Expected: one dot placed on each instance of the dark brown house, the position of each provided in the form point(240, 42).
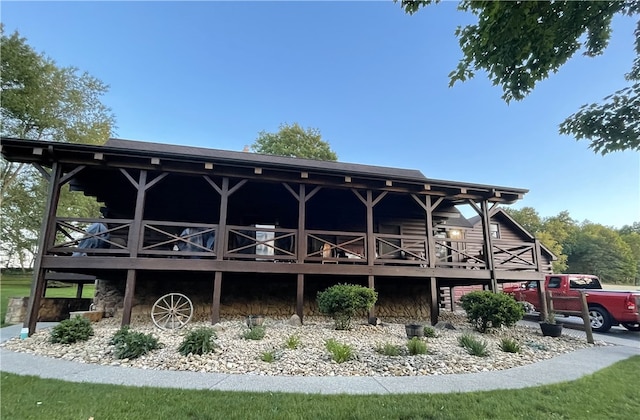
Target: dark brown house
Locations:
point(222, 225)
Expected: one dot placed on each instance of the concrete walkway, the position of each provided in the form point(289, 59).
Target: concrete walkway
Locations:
point(565, 367)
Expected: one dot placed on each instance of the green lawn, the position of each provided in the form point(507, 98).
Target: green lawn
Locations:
point(18, 285)
point(611, 393)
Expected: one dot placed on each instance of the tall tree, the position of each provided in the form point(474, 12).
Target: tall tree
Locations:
point(599, 250)
point(548, 231)
point(294, 141)
point(42, 101)
point(521, 43)
point(632, 239)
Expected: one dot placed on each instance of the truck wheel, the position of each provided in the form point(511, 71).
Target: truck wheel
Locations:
point(600, 319)
point(631, 326)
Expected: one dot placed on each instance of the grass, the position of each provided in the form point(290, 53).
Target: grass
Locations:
point(19, 285)
point(473, 345)
point(416, 346)
point(340, 352)
point(29, 397)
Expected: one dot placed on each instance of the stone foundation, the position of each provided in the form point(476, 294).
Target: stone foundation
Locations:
point(51, 309)
point(269, 295)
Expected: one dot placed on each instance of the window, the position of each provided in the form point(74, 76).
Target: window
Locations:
point(554, 283)
point(494, 230)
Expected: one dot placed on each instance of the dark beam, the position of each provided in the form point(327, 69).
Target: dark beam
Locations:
point(433, 300)
point(300, 297)
point(217, 292)
point(128, 297)
point(47, 234)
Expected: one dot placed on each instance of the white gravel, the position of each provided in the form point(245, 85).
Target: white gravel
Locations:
point(239, 356)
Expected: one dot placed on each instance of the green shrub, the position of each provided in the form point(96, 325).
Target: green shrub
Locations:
point(293, 342)
point(72, 330)
point(255, 333)
point(509, 345)
point(491, 310)
point(473, 346)
point(268, 356)
point(429, 332)
point(131, 344)
point(198, 341)
point(339, 352)
point(416, 346)
point(343, 301)
point(388, 349)
point(120, 335)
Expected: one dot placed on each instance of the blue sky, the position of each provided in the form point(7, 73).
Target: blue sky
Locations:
point(372, 79)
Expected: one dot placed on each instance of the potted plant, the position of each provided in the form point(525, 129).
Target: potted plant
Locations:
point(414, 330)
point(549, 326)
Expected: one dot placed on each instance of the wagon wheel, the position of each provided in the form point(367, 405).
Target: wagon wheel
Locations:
point(172, 311)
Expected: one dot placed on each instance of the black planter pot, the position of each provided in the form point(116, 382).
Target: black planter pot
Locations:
point(551, 330)
point(414, 330)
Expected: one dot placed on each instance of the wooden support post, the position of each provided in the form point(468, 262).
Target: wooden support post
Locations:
point(47, 233)
point(128, 297)
point(135, 241)
point(488, 245)
point(542, 298)
point(217, 292)
point(371, 241)
point(300, 297)
point(372, 286)
point(79, 288)
point(221, 241)
point(451, 298)
point(431, 242)
point(585, 316)
point(301, 249)
point(433, 301)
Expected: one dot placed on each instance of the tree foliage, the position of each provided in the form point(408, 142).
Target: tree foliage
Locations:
point(294, 141)
point(599, 250)
point(521, 43)
point(42, 101)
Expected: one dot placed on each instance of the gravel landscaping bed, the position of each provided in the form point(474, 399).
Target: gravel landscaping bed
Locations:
point(237, 355)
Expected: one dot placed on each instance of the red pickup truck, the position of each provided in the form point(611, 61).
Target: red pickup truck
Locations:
point(606, 307)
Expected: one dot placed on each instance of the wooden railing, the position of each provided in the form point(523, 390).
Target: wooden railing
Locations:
point(401, 249)
point(72, 233)
point(512, 255)
point(178, 239)
point(262, 243)
point(459, 253)
point(336, 246)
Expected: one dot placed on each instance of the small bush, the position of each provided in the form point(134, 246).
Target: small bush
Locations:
point(339, 352)
point(473, 346)
point(72, 330)
point(491, 310)
point(268, 356)
point(255, 333)
point(429, 332)
point(388, 349)
point(293, 342)
point(416, 346)
point(343, 301)
point(198, 341)
point(509, 345)
point(131, 344)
